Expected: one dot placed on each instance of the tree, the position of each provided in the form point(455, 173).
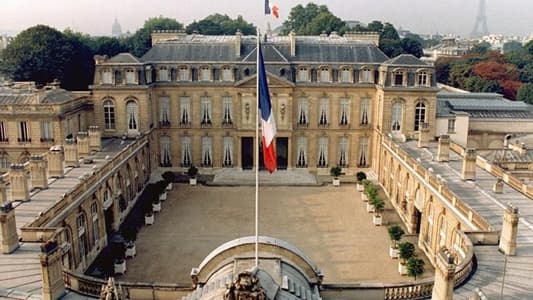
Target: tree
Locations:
point(79, 70)
point(477, 84)
point(312, 20)
point(415, 267)
point(492, 70)
point(510, 88)
point(525, 93)
point(442, 68)
point(529, 47)
point(141, 41)
point(412, 46)
point(459, 72)
point(218, 24)
point(526, 74)
point(109, 46)
point(480, 48)
point(39, 54)
point(511, 46)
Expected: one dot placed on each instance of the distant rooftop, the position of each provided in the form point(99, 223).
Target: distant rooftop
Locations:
point(26, 93)
point(482, 105)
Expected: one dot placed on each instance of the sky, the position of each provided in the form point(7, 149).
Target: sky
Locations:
point(95, 17)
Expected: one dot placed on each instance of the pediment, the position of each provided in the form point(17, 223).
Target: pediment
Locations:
point(273, 82)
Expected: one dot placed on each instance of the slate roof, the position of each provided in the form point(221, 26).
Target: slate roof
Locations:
point(406, 59)
point(196, 48)
point(124, 58)
point(10, 96)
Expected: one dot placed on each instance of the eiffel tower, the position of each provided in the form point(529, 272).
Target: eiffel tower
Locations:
point(480, 26)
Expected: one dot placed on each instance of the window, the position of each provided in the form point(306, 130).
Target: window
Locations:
point(4, 161)
point(430, 224)
point(442, 233)
point(96, 230)
point(345, 75)
point(227, 74)
point(343, 152)
point(396, 123)
point(398, 78)
point(227, 110)
point(166, 160)
point(186, 159)
point(107, 76)
point(184, 74)
point(109, 114)
point(132, 115)
point(301, 155)
point(207, 151)
point(366, 75)
point(323, 152)
point(46, 131)
point(185, 109)
point(324, 75)
point(344, 118)
point(227, 160)
point(423, 78)
point(206, 110)
point(420, 115)
point(3, 132)
point(303, 74)
point(82, 235)
point(205, 74)
point(164, 111)
point(131, 76)
point(323, 112)
point(303, 111)
point(23, 132)
point(451, 126)
point(365, 111)
point(162, 73)
point(118, 77)
point(363, 151)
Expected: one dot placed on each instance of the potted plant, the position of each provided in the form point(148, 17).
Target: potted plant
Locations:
point(370, 203)
point(130, 235)
point(395, 234)
point(415, 267)
point(379, 205)
point(169, 179)
point(336, 172)
point(360, 177)
point(163, 195)
point(156, 205)
point(369, 190)
point(117, 252)
point(192, 172)
point(406, 250)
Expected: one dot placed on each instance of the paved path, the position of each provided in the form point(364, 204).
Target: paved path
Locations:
point(283, 177)
point(479, 195)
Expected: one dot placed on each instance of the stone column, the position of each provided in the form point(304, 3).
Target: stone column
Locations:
point(444, 275)
point(19, 183)
point(71, 153)
point(443, 151)
point(497, 188)
point(52, 271)
point(83, 144)
point(8, 228)
point(509, 230)
point(39, 176)
point(469, 165)
point(423, 135)
point(95, 138)
point(56, 158)
point(3, 196)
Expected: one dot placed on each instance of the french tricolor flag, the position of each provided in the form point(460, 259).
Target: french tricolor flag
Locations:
point(268, 125)
point(271, 9)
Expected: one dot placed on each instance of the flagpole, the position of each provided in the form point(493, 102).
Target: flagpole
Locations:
point(256, 156)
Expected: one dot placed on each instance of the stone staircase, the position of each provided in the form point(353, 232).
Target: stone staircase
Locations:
point(232, 177)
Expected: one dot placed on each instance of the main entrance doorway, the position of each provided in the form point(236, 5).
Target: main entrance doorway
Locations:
point(247, 153)
point(282, 152)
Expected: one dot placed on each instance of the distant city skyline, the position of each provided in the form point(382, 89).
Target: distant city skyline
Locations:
point(512, 17)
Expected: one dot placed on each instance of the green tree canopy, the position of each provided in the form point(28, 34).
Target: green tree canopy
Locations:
point(480, 85)
point(525, 93)
point(526, 73)
point(480, 48)
point(141, 41)
point(218, 24)
point(39, 54)
point(412, 46)
point(79, 70)
point(312, 20)
point(511, 46)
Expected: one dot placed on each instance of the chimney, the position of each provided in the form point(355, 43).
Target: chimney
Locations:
point(71, 153)
point(95, 138)
point(469, 165)
point(83, 144)
point(8, 228)
point(444, 275)
point(39, 178)
point(292, 39)
point(3, 195)
point(509, 230)
point(423, 135)
point(19, 183)
point(51, 270)
point(238, 38)
point(56, 157)
point(443, 151)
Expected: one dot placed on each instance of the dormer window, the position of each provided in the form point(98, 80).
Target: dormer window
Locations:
point(398, 77)
point(366, 75)
point(163, 74)
point(324, 75)
point(131, 76)
point(184, 74)
point(205, 74)
point(226, 74)
point(345, 75)
point(303, 74)
point(422, 78)
point(107, 76)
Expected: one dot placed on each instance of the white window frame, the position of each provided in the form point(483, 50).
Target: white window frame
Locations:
point(420, 115)
point(107, 76)
point(3, 131)
point(396, 116)
point(206, 110)
point(395, 75)
point(96, 229)
point(343, 152)
point(303, 112)
point(163, 73)
point(131, 76)
point(451, 125)
point(323, 112)
point(303, 74)
point(227, 158)
point(365, 111)
point(345, 75)
point(164, 110)
point(366, 75)
point(109, 114)
point(344, 111)
point(204, 73)
point(186, 153)
point(132, 115)
point(166, 154)
point(207, 151)
point(184, 74)
point(322, 158)
point(23, 131)
point(185, 110)
point(47, 133)
point(301, 152)
point(324, 75)
point(227, 110)
point(363, 151)
point(4, 161)
point(226, 74)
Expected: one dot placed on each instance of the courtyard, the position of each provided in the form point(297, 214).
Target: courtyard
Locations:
point(329, 224)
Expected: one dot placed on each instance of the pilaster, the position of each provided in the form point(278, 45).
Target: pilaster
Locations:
point(444, 275)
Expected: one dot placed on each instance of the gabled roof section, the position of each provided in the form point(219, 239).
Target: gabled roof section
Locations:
point(406, 59)
point(124, 58)
point(270, 54)
point(191, 52)
point(273, 81)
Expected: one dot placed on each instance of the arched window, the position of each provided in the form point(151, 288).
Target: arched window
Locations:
point(366, 75)
point(420, 115)
point(184, 74)
point(399, 77)
point(83, 246)
point(131, 76)
point(109, 114)
point(303, 74)
point(396, 122)
point(345, 75)
point(107, 76)
point(163, 73)
point(324, 75)
point(423, 78)
point(132, 116)
point(205, 74)
point(226, 73)
point(4, 160)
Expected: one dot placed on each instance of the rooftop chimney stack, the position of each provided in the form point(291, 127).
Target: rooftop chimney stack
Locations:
point(292, 39)
point(56, 157)
point(39, 176)
point(19, 183)
point(469, 165)
point(71, 153)
point(83, 144)
point(238, 39)
point(95, 138)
